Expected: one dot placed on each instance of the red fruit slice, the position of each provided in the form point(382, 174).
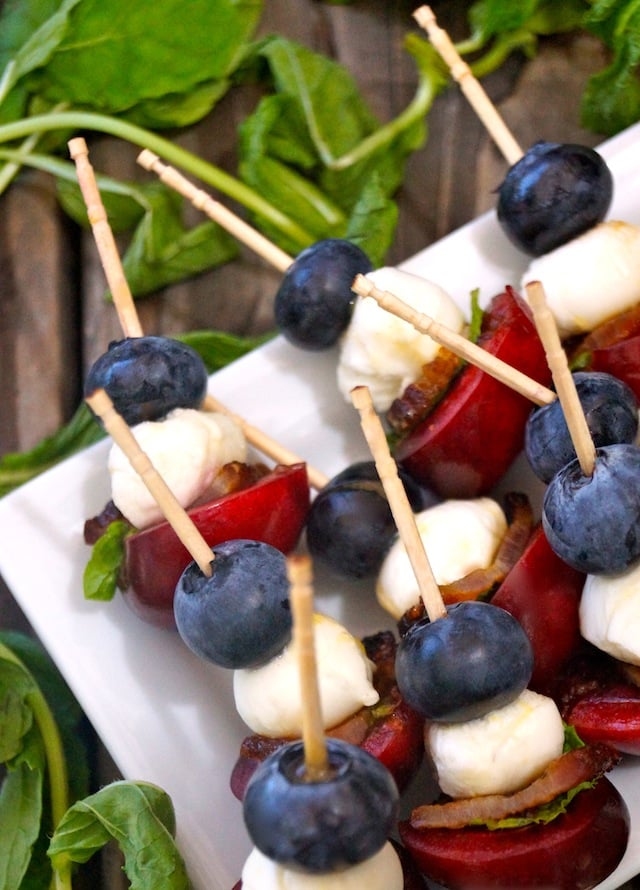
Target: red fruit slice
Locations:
point(473, 435)
point(610, 715)
point(543, 593)
point(573, 852)
point(273, 511)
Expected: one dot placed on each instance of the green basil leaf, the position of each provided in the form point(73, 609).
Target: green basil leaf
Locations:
point(94, 65)
point(66, 710)
point(217, 349)
point(139, 816)
point(99, 580)
point(611, 100)
point(21, 812)
point(16, 717)
point(30, 33)
point(162, 251)
point(18, 467)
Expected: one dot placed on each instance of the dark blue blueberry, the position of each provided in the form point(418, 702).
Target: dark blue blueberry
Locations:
point(553, 194)
point(611, 411)
point(464, 665)
point(314, 303)
point(350, 526)
point(239, 617)
point(320, 826)
point(147, 377)
point(593, 522)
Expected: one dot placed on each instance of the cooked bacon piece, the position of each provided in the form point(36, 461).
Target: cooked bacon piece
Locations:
point(481, 582)
point(561, 775)
point(234, 476)
point(421, 396)
point(389, 730)
point(614, 330)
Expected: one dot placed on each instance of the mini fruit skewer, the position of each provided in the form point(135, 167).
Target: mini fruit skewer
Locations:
point(452, 855)
point(314, 303)
point(319, 806)
point(552, 193)
point(272, 509)
point(132, 328)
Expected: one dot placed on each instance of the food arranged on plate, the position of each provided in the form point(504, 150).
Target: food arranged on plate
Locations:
point(513, 671)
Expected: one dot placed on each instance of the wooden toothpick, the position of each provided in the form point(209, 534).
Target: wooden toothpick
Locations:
point(470, 86)
point(456, 343)
point(216, 211)
point(562, 378)
point(313, 737)
point(172, 510)
point(399, 503)
point(266, 444)
point(128, 314)
point(105, 242)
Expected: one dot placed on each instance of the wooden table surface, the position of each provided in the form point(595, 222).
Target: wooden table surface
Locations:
point(53, 320)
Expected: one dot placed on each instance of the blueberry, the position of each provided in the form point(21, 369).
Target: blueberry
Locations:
point(320, 827)
point(464, 665)
point(552, 194)
point(239, 617)
point(611, 410)
point(593, 522)
point(147, 377)
point(314, 302)
point(350, 526)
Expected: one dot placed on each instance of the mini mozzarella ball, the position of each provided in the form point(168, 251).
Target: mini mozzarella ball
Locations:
point(459, 537)
point(610, 614)
point(187, 448)
point(499, 753)
point(382, 871)
point(385, 353)
point(591, 278)
point(268, 697)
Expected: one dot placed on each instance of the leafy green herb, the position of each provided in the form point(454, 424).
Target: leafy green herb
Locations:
point(44, 811)
point(20, 467)
point(140, 817)
point(99, 580)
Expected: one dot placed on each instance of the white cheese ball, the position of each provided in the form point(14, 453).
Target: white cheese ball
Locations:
point(187, 448)
point(591, 278)
point(268, 697)
point(500, 752)
point(382, 871)
point(610, 614)
point(459, 536)
point(383, 352)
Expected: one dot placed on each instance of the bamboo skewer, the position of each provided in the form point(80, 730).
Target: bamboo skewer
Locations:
point(562, 378)
point(216, 211)
point(105, 242)
point(313, 737)
point(470, 86)
point(172, 510)
point(458, 344)
point(399, 503)
point(128, 315)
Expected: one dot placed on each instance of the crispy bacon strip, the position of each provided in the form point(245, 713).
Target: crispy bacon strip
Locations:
point(481, 581)
point(420, 397)
point(560, 776)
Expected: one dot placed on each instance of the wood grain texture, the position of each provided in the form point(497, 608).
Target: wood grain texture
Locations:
point(54, 320)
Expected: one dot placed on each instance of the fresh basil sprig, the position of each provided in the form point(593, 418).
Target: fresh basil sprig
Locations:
point(49, 821)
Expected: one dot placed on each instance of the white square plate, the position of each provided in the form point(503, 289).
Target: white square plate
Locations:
point(165, 716)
